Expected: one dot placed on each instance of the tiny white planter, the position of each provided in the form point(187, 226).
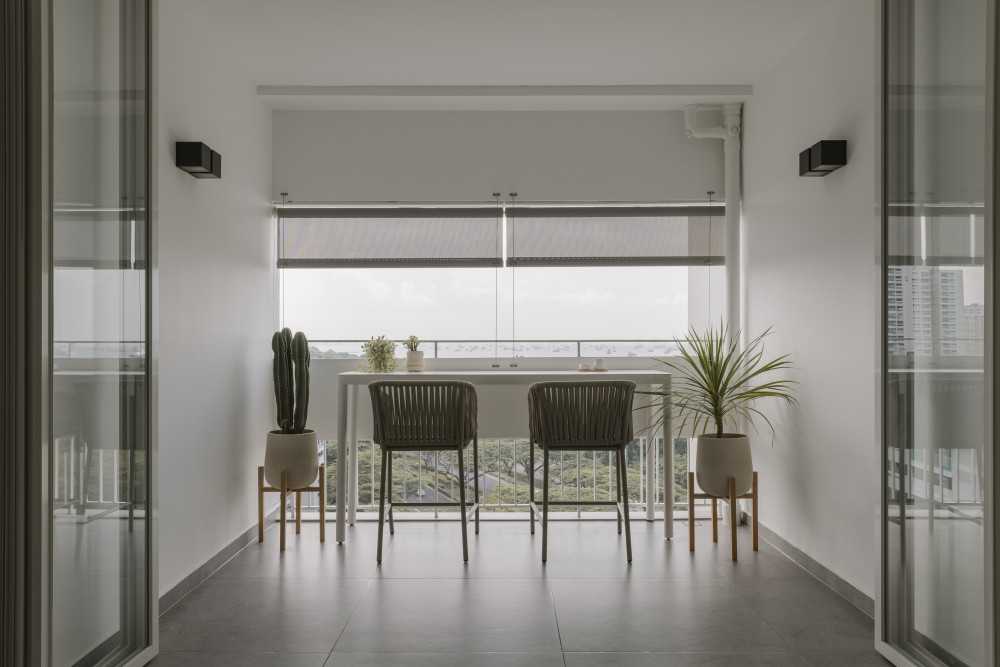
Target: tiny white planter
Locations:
point(414, 361)
point(294, 453)
point(720, 458)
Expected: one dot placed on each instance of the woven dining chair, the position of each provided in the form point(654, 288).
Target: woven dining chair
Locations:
point(425, 416)
point(580, 416)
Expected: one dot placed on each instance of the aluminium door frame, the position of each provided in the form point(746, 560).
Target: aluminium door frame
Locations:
point(152, 346)
point(991, 462)
point(35, 597)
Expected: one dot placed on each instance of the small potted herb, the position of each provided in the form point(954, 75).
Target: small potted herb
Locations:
point(381, 355)
point(414, 356)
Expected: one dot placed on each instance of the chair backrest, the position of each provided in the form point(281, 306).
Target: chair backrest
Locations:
point(580, 413)
point(411, 413)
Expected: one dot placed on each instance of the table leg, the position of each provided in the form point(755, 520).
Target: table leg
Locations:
point(667, 429)
point(341, 456)
point(649, 482)
point(352, 488)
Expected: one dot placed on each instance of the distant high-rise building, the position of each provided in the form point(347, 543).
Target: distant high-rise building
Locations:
point(927, 313)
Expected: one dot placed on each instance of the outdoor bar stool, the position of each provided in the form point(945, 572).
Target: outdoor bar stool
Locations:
point(425, 416)
point(580, 416)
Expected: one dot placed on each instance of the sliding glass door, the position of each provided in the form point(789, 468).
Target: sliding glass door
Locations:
point(99, 464)
point(934, 593)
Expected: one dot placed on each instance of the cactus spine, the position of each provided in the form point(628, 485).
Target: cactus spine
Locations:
point(291, 380)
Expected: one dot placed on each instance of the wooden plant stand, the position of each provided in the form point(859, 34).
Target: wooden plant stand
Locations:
point(284, 491)
point(734, 514)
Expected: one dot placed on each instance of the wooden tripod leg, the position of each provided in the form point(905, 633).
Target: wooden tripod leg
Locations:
point(284, 500)
point(755, 511)
point(690, 511)
point(260, 504)
point(734, 516)
point(322, 504)
point(715, 521)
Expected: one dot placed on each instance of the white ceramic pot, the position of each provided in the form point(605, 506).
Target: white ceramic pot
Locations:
point(414, 360)
point(294, 452)
point(722, 457)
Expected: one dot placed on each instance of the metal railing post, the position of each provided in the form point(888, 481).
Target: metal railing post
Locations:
point(650, 480)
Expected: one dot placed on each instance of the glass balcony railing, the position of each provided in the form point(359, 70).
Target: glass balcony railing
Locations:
point(488, 349)
point(504, 477)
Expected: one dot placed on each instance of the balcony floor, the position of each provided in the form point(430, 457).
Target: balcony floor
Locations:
point(329, 605)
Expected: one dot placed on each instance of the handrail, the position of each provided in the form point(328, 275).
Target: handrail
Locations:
point(510, 345)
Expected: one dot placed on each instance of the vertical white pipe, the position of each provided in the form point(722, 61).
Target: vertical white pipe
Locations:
point(732, 116)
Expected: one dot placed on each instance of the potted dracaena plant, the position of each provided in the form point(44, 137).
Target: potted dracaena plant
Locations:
point(414, 357)
point(291, 448)
point(716, 386)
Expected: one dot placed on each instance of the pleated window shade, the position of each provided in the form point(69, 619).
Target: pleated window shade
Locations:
point(389, 237)
point(616, 236)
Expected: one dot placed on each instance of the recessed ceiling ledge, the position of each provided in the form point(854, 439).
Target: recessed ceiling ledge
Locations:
point(629, 90)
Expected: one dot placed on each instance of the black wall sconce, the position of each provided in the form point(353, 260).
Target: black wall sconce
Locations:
point(198, 159)
point(823, 157)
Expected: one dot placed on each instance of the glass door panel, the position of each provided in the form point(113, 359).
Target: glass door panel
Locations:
point(98, 453)
point(933, 594)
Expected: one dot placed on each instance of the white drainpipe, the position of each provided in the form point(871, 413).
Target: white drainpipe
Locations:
point(724, 122)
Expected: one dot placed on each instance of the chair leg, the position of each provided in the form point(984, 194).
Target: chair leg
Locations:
point(715, 521)
point(260, 504)
point(690, 511)
point(322, 504)
point(734, 516)
point(461, 501)
point(531, 485)
point(284, 501)
point(755, 512)
point(545, 504)
point(625, 519)
point(381, 505)
point(298, 512)
point(388, 493)
point(475, 466)
point(618, 493)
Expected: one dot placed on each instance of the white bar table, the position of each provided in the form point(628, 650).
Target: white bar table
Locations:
point(348, 382)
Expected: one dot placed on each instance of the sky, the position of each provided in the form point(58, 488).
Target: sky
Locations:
point(621, 303)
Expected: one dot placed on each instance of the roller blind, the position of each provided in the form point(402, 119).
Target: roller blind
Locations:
point(109, 239)
point(389, 237)
point(615, 235)
point(936, 235)
point(538, 235)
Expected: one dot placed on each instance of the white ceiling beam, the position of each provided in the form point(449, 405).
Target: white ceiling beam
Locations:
point(624, 90)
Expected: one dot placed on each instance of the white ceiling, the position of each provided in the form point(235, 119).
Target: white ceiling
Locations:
point(503, 42)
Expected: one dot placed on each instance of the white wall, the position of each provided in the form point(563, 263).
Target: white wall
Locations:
point(810, 249)
point(466, 155)
point(216, 294)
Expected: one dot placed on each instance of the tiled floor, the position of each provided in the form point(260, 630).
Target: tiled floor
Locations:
point(330, 605)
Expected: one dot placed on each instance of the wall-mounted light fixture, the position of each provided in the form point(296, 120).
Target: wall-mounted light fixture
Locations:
point(198, 159)
point(823, 157)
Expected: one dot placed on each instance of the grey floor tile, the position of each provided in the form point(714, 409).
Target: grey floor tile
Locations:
point(682, 660)
point(661, 616)
point(239, 660)
point(261, 615)
point(868, 658)
point(813, 619)
point(338, 659)
point(451, 616)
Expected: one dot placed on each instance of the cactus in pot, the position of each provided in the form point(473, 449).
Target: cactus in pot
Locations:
point(291, 448)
